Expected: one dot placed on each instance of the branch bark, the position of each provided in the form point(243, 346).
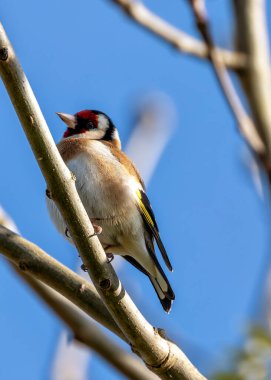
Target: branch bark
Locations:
point(175, 37)
point(88, 333)
point(84, 330)
point(32, 260)
point(160, 355)
point(252, 38)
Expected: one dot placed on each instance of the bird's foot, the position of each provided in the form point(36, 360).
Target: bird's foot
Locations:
point(97, 229)
point(110, 257)
point(48, 193)
point(84, 268)
point(67, 233)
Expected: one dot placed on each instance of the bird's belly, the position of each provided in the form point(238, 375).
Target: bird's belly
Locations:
point(105, 194)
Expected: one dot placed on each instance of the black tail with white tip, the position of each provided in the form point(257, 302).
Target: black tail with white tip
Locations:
point(160, 283)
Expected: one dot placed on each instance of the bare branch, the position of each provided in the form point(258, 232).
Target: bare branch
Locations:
point(252, 38)
point(246, 126)
point(31, 259)
point(160, 355)
point(84, 330)
point(175, 37)
point(88, 333)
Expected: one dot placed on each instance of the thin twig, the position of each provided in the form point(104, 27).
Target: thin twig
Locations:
point(246, 125)
point(175, 37)
point(160, 355)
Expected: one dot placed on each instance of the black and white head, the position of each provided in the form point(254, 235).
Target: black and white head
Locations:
point(92, 124)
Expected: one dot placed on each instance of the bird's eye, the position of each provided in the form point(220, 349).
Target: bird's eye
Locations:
point(90, 125)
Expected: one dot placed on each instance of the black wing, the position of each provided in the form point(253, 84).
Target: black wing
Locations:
point(147, 214)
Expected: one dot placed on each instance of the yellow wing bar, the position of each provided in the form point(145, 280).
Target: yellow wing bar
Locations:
point(143, 209)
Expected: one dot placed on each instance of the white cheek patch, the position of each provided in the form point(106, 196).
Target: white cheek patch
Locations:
point(103, 123)
point(95, 134)
point(116, 137)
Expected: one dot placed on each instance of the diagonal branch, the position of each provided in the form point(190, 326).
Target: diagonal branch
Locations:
point(88, 333)
point(32, 260)
point(162, 356)
point(175, 37)
point(84, 330)
point(246, 126)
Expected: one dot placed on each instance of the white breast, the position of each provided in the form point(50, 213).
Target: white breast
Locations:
point(102, 182)
point(104, 186)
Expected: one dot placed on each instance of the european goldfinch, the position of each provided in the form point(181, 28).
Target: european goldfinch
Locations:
point(113, 195)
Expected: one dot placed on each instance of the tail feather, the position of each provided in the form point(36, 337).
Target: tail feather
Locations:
point(165, 301)
point(163, 283)
point(160, 283)
point(163, 288)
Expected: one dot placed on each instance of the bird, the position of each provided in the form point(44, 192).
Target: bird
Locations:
point(114, 197)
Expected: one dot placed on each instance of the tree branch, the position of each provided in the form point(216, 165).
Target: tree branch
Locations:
point(84, 330)
point(246, 125)
point(252, 38)
point(31, 259)
point(88, 333)
point(178, 39)
point(160, 355)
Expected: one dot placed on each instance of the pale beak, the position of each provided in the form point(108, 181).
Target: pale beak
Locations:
point(70, 120)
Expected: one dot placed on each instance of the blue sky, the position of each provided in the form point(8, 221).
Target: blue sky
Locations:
point(212, 220)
